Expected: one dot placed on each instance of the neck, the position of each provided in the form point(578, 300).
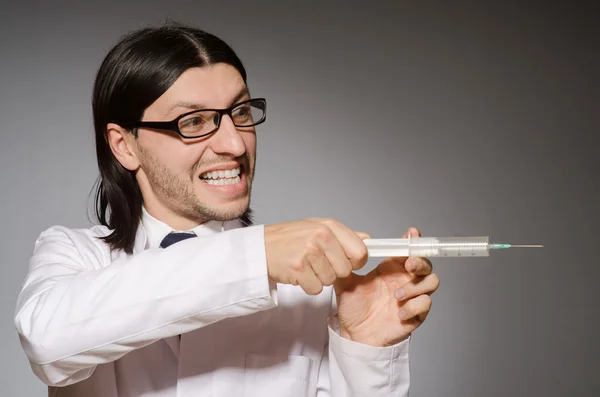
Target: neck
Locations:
point(180, 223)
point(175, 221)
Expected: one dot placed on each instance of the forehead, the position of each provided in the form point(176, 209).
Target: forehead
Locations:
point(213, 86)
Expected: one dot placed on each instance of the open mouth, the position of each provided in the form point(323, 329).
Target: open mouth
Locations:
point(223, 177)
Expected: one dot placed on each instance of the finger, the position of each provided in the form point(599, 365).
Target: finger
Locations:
point(417, 307)
point(415, 265)
point(322, 268)
point(353, 246)
point(328, 245)
point(418, 286)
point(337, 259)
point(413, 232)
point(419, 266)
point(411, 324)
point(309, 282)
point(362, 235)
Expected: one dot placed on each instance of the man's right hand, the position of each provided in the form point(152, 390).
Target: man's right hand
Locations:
point(313, 253)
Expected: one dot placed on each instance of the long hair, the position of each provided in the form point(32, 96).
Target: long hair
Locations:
point(134, 74)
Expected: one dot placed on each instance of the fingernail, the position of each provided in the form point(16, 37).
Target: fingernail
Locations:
point(401, 314)
point(400, 293)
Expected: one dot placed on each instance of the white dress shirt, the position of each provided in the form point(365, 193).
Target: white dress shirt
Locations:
point(199, 318)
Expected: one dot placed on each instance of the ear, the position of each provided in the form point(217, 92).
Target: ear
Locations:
point(123, 145)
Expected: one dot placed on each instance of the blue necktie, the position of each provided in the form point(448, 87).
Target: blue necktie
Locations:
point(175, 237)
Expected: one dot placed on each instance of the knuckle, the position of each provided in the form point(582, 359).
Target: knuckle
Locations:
point(312, 249)
point(329, 222)
point(298, 266)
point(323, 233)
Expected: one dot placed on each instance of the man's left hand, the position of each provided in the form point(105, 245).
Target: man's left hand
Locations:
point(385, 306)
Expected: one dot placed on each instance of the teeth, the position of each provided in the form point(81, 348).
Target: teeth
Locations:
point(219, 182)
point(221, 174)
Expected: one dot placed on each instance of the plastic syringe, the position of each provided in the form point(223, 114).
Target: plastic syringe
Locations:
point(431, 247)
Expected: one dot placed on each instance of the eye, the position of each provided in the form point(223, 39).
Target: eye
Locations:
point(242, 112)
point(194, 121)
point(197, 123)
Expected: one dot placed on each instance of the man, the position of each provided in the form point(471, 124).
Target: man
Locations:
point(176, 293)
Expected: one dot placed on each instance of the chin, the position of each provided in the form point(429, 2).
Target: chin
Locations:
point(225, 211)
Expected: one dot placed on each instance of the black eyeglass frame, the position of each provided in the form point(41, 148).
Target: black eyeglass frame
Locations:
point(173, 125)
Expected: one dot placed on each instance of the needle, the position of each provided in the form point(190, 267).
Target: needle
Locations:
point(527, 246)
point(500, 246)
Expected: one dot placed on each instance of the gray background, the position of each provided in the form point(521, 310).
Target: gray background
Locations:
point(460, 119)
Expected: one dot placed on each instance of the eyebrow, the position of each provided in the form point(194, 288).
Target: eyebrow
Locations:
point(198, 106)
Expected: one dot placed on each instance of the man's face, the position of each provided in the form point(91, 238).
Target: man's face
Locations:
point(173, 171)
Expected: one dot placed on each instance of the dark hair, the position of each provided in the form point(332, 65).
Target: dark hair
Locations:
point(134, 74)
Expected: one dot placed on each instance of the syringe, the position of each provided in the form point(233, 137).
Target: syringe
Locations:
point(431, 247)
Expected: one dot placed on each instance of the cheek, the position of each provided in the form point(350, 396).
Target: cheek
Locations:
point(250, 143)
point(178, 156)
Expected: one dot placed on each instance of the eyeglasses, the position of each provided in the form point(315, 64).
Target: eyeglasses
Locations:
point(199, 123)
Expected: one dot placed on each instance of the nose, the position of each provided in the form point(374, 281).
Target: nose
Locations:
point(227, 139)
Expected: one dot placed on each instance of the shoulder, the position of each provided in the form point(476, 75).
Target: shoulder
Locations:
point(59, 233)
point(84, 244)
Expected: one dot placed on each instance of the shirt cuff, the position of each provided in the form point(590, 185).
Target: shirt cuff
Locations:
point(357, 369)
point(398, 351)
point(256, 243)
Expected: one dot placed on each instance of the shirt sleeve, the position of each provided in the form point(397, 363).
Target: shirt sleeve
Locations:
point(353, 369)
point(357, 369)
point(80, 307)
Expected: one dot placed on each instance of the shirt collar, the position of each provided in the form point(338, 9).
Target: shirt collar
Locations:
point(155, 230)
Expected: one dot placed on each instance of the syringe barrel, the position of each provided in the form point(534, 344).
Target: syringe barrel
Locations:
point(431, 247)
